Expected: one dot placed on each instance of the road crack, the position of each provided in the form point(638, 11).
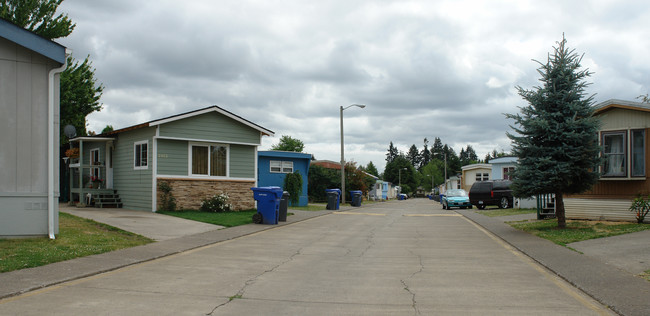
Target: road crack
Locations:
point(251, 281)
point(407, 288)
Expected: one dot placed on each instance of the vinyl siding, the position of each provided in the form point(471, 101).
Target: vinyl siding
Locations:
point(24, 139)
point(242, 161)
point(133, 186)
point(172, 157)
point(211, 127)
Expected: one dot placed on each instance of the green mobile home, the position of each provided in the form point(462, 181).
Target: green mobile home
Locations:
point(198, 153)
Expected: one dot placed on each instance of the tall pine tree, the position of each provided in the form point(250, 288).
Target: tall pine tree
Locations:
point(555, 138)
point(392, 153)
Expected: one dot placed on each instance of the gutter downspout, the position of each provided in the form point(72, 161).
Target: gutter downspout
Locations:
point(50, 144)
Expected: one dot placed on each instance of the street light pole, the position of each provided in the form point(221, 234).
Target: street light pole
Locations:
point(400, 178)
point(342, 155)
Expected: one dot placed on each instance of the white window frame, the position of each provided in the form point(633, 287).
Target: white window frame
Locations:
point(624, 153)
point(287, 167)
point(137, 153)
point(275, 166)
point(204, 144)
point(94, 171)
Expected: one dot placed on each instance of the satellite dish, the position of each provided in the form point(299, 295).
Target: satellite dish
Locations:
point(70, 131)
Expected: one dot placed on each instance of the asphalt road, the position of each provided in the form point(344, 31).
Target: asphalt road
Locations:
point(407, 258)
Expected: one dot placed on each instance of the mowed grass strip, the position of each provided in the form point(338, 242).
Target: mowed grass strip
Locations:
point(78, 237)
point(310, 207)
point(226, 219)
point(507, 212)
point(577, 230)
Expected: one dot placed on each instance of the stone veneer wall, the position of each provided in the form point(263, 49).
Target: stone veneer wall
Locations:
point(190, 192)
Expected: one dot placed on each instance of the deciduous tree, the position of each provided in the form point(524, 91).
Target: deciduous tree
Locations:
point(288, 143)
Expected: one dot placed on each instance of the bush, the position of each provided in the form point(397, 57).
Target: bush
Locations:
point(640, 207)
point(168, 202)
point(216, 204)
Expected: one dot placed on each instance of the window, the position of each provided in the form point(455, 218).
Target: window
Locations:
point(140, 151)
point(94, 161)
point(614, 154)
point(287, 166)
point(506, 173)
point(209, 160)
point(278, 166)
point(638, 153)
point(482, 176)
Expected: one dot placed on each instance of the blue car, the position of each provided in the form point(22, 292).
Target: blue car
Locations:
point(456, 198)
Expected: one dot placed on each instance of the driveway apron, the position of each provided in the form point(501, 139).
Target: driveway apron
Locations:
point(395, 258)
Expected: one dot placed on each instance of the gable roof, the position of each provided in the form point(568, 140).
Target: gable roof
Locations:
point(620, 104)
point(185, 115)
point(31, 41)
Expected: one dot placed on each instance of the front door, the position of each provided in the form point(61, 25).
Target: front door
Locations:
point(109, 166)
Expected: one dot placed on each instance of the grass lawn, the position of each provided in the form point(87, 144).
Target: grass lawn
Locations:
point(78, 237)
point(577, 230)
point(227, 219)
point(507, 211)
point(310, 207)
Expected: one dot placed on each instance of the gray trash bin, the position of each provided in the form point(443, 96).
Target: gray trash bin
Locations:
point(284, 204)
point(332, 201)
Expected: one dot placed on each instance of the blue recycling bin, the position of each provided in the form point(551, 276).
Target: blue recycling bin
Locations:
point(268, 204)
point(355, 198)
point(333, 198)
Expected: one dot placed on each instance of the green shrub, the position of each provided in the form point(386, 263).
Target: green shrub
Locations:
point(293, 185)
point(216, 204)
point(640, 207)
point(168, 202)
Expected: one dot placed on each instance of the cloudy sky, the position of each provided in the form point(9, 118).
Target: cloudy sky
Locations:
point(429, 69)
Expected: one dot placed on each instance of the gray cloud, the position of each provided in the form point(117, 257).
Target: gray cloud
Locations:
point(445, 69)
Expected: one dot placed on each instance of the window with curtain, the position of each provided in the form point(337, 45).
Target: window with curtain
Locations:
point(209, 160)
point(638, 153)
point(218, 161)
point(614, 154)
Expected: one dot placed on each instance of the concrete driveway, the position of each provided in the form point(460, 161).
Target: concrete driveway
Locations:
point(397, 258)
point(153, 225)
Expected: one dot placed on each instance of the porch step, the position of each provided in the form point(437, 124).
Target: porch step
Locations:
point(107, 200)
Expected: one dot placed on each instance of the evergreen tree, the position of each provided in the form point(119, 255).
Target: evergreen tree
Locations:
point(371, 169)
point(555, 138)
point(392, 153)
point(425, 154)
point(436, 149)
point(471, 154)
point(414, 156)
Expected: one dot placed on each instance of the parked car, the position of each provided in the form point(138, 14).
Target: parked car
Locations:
point(492, 192)
point(455, 198)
